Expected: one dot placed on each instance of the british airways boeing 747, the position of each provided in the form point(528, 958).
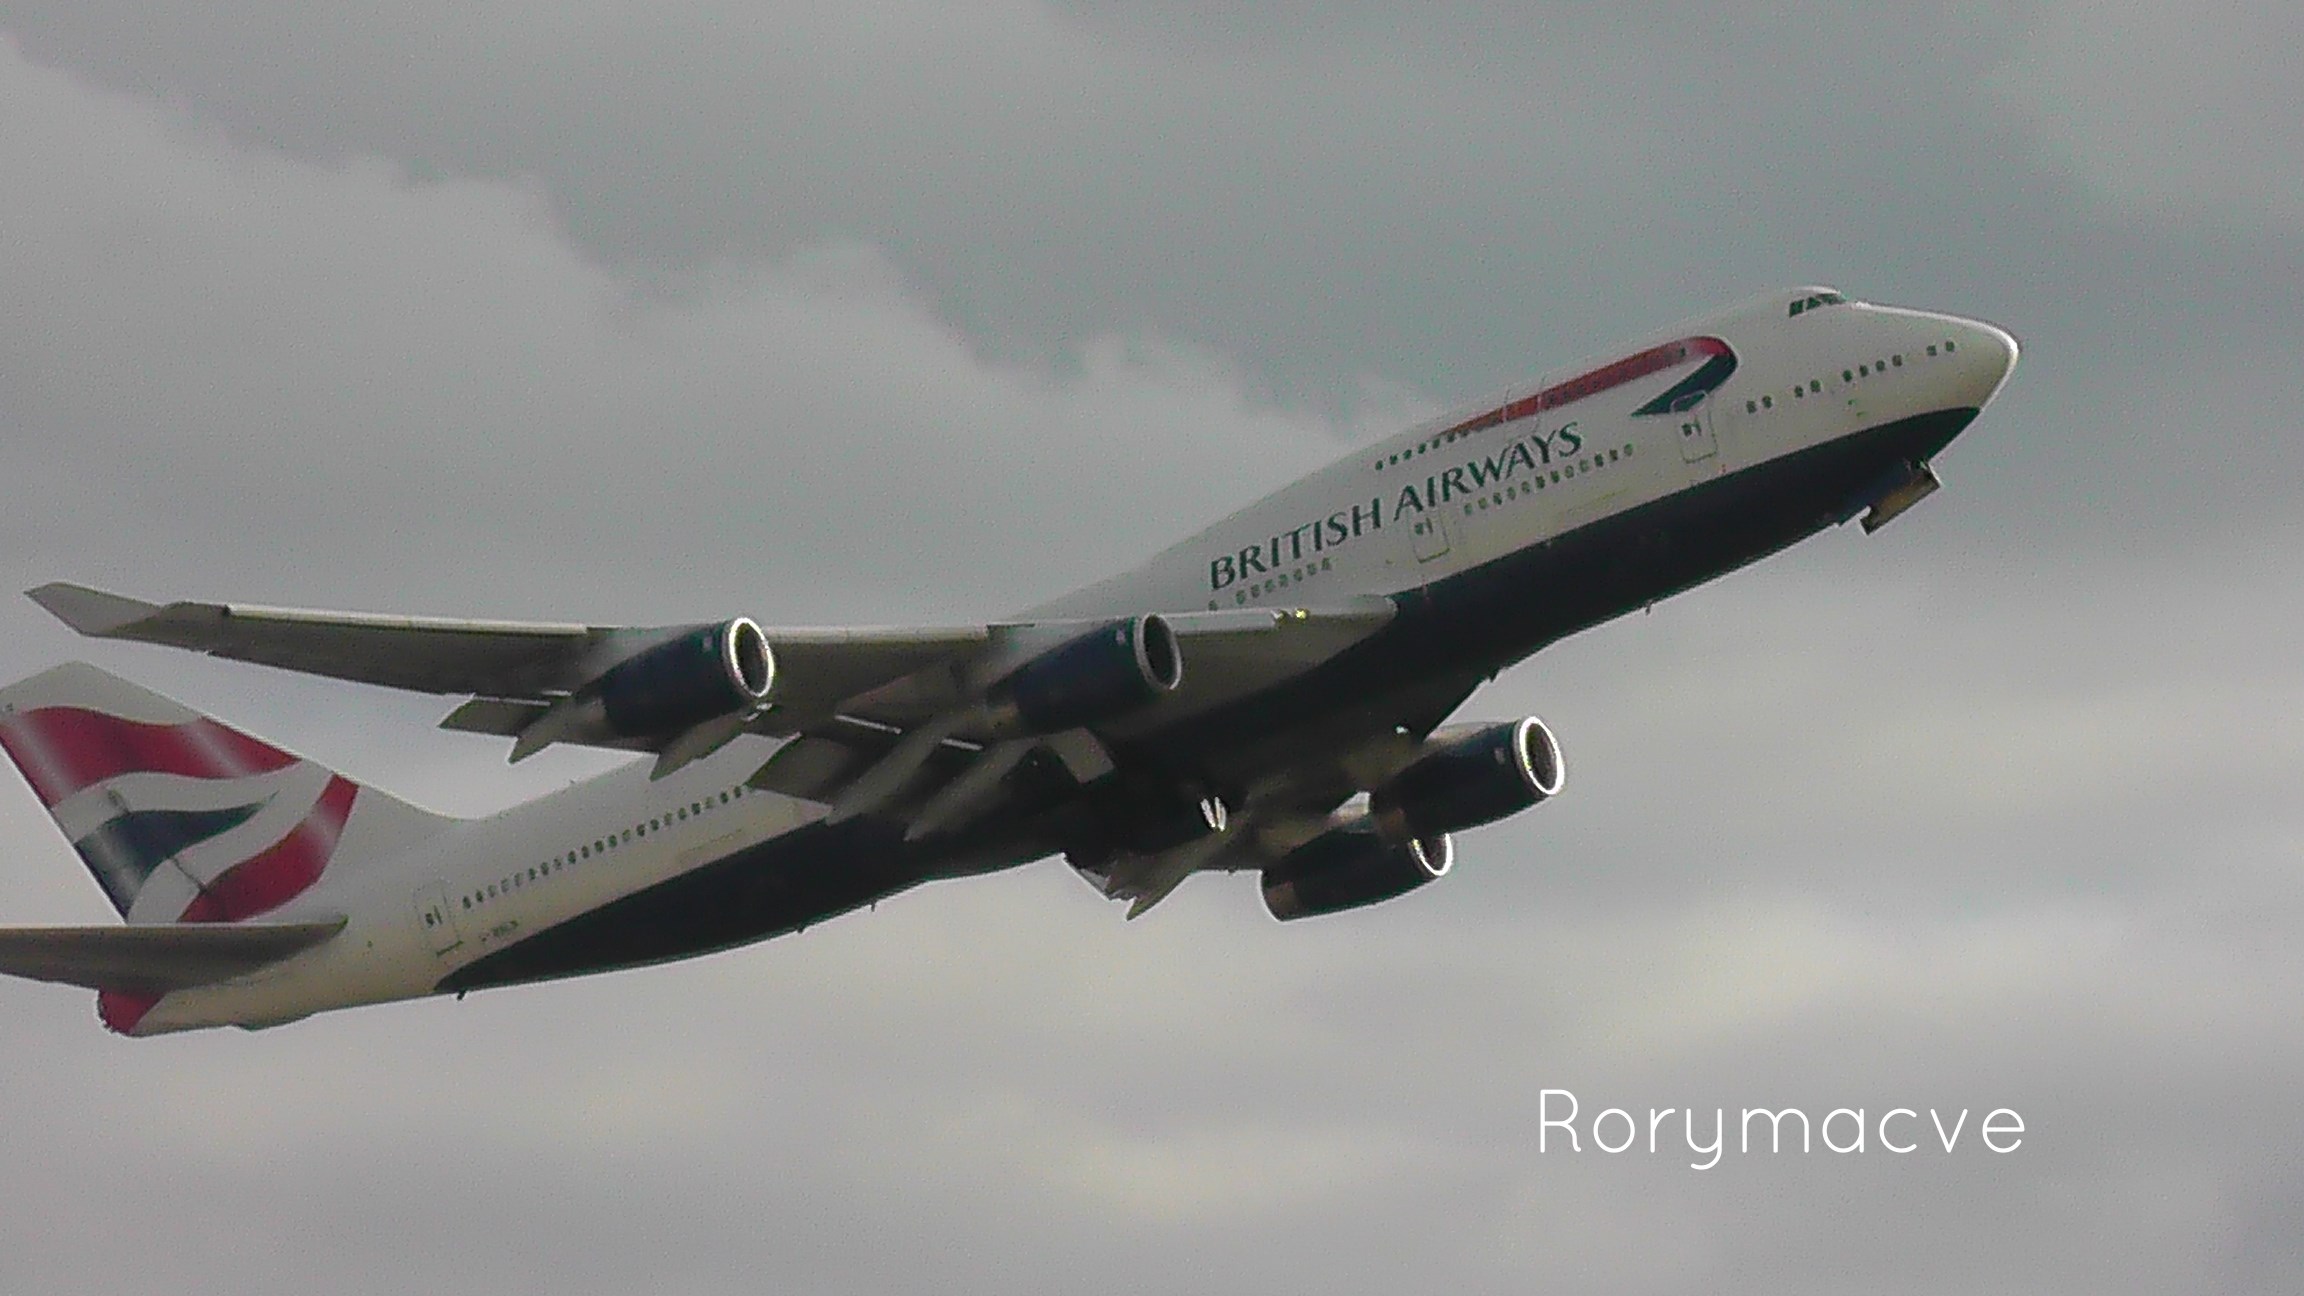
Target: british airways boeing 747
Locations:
point(1272, 694)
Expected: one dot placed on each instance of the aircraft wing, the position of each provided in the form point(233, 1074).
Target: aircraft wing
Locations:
point(1227, 654)
point(154, 959)
point(855, 690)
point(531, 660)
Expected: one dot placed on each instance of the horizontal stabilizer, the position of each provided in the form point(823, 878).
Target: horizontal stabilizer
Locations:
point(154, 959)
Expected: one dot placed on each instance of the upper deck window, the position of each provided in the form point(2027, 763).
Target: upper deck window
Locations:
point(1815, 302)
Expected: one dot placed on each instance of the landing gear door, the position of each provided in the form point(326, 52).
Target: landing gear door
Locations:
point(436, 919)
point(1697, 441)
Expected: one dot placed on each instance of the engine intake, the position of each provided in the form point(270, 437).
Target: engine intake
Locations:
point(1096, 677)
point(705, 673)
point(1468, 781)
point(1346, 868)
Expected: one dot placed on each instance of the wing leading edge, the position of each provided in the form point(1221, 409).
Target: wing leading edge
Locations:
point(532, 661)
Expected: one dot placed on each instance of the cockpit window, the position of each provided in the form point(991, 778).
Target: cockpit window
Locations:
point(1818, 301)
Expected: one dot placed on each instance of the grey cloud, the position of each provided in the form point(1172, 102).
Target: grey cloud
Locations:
point(259, 349)
point(1439, 198)
point(1445, 199)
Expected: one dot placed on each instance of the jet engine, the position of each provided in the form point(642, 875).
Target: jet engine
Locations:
point(1345, 868)
point(702, 674)
point(706, 673)
point(1088, 680)
point(1469, 780)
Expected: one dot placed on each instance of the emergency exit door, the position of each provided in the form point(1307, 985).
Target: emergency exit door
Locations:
point(1697, 441)
point(436, 919)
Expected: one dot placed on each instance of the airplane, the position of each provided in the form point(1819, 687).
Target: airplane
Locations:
point(1270, 694)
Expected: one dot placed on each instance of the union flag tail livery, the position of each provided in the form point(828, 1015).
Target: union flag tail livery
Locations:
point(1272, 694)
point(200, 835)
point(179, 817)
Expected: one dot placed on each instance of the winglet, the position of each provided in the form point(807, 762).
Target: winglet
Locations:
point(92, 612)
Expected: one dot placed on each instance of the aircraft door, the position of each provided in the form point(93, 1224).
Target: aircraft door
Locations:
point(436, 919)
point(1430, 533)
point(1698, 441)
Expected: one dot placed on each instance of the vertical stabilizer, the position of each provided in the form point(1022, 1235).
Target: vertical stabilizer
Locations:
point(182, 818)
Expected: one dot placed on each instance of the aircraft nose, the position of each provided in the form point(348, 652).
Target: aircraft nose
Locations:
point(1989, 355)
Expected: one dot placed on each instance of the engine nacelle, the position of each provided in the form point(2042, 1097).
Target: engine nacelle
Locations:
point(662, 692)
point(1345, 868)
point(1468, 781)
point(704, 674)
point(1096, 677)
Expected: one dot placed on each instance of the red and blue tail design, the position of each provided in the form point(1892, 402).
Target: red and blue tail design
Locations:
point(181, 818)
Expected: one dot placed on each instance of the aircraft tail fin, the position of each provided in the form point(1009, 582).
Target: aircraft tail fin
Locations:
point(183, 819)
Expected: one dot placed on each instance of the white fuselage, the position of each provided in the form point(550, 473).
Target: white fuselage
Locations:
point(1438, 500)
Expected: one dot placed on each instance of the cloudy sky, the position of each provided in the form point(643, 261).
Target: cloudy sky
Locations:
point(893, 311)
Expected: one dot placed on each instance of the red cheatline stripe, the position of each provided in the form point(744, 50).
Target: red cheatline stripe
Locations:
point(63, 750)
point(1607, 377)
point(282, 872)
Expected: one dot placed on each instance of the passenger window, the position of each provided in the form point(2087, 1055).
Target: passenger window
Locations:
point(1865, 370)
point(1896, 360)
point(1751, 407)
point(1816, 384)
point(1799, 392)
point(1931, 348)
point(1846, 376)
point(1767, 402)
point(1948, 347)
